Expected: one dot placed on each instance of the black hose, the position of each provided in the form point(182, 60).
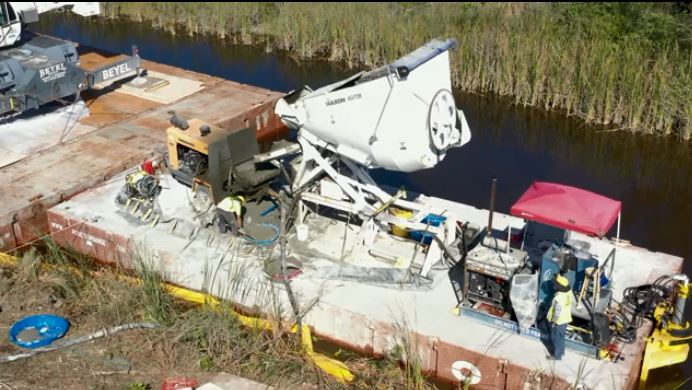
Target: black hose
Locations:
point(639, 302)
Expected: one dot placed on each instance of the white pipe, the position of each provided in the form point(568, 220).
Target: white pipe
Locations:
point(77, 340)
point(509, 236)
point(523, 236)
point(617, 237)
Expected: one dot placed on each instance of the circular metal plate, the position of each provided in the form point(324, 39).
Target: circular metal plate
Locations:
point(442, 119)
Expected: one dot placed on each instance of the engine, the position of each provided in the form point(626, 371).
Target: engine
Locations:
point(488, 274)
point(192, 162)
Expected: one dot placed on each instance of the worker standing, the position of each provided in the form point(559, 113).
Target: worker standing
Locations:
point(559, 316)
point(230, 214)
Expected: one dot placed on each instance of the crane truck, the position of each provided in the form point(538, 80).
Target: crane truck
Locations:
point(37, 69)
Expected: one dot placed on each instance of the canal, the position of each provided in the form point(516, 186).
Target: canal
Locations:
point(651, 176)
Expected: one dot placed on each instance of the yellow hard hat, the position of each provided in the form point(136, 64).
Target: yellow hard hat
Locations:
point(241, 198)
point(561, 280)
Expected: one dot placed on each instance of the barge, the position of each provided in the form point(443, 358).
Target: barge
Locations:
point(363, 317)
point(361, 298)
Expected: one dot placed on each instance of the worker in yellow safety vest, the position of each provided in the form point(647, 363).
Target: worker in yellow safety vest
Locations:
point(559, 316)
point(134, 178)
point(230, 214)
point(130, 189)
point(136, 187)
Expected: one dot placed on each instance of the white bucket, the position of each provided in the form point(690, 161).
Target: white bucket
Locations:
point(302, 232)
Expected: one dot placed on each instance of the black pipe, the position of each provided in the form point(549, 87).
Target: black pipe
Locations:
point(178, 121)
point(493, 191)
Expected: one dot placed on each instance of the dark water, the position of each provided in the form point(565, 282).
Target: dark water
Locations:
point(651, 176)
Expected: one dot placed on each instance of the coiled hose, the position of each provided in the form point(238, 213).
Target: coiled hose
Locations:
point(638, 303)
point(265, 242)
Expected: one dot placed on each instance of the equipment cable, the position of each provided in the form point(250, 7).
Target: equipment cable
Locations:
point(639, 302)
point(264, 242)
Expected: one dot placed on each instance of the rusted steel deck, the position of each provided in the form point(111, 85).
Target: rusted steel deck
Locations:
point(120, 130)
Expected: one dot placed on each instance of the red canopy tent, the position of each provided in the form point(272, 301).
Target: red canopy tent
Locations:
point(568, 208)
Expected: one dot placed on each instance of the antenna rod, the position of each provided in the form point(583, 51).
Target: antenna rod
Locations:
point(493, 190)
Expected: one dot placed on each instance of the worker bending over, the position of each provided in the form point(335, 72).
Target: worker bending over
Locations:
point(230, 214)
point(141, 183)
point(559, 316)
point(135, 178)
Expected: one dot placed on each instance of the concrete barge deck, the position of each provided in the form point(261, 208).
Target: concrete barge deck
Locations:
point(365, 317)
point(49, 155)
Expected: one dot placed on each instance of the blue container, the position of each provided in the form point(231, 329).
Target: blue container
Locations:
point(48, 327)
point(422, 235)
point(604, 280)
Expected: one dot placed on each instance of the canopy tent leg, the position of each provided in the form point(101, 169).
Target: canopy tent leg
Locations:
point(617, 236)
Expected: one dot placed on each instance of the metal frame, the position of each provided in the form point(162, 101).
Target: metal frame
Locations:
point(365, 199)
point(533, 332)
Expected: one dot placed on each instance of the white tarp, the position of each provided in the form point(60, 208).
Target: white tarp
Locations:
point(524, 297)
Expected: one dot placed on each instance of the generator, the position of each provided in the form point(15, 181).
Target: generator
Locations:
point(488, 272)
point(215, 162)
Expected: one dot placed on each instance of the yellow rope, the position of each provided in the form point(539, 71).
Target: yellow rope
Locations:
point(333, 367)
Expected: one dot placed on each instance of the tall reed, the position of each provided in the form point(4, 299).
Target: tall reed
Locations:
point(554, 56)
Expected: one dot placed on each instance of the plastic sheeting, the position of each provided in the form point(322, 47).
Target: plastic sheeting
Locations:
point(524, 297)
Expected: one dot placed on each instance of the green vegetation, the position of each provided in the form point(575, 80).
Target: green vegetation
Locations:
point(195, 340)
point(139, 386)
point(626, 65)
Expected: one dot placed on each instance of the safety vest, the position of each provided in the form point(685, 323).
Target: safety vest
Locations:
point(133, 178)
point(231, 204)
point(560, 311)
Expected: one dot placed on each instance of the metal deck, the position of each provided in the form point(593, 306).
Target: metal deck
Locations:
point(364, 317)
point(49, 156)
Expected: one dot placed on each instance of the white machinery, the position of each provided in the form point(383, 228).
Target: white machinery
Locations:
point(400, 117)
point(13, 15)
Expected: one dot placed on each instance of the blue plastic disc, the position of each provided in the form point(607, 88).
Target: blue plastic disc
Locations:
point(47, 328)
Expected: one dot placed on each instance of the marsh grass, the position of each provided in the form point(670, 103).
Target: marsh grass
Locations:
point(581, 375)
point(406, 351)
point(96, 297)
point(155, 302)
point(625, 66)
